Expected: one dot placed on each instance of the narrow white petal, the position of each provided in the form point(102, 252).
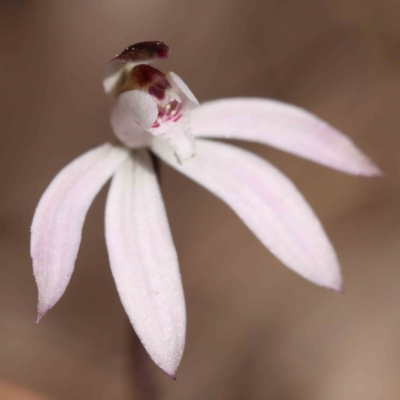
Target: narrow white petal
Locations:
point(268, 203)
point(283, 126)
point(144, 261)
point(59, 217)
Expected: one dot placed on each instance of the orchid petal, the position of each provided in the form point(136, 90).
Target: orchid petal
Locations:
point(59, 217)
point(133, 112)
point(144, 261)
point(283, 126)
point(268, 203)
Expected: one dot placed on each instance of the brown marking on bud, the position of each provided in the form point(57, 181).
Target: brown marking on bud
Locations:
point(144, 51)
point(147, 78)
point(157, 92)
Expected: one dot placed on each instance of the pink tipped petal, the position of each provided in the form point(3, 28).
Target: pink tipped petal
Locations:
point(283, 126)
point(144, 261)
point(268, 203)
point(57, 224)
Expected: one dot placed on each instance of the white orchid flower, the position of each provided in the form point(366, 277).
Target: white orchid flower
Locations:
point(156, 112)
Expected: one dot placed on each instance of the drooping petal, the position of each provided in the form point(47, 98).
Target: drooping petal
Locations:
point(268, 203)
point(133, 112)
point(144, 261)
point(283, 126)
point(57, 224)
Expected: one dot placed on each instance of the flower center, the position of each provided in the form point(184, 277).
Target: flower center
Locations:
point(170, 112)
point(147, 78)
point(153, 81)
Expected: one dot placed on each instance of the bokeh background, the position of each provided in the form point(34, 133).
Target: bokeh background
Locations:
point(255, 329)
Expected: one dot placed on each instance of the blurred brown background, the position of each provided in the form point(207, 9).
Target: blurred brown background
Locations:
point(255, 329)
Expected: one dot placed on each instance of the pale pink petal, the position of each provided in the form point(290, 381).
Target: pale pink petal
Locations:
point(268, 203)
point(283, 126)
point(144, 261)
point(57, 224)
